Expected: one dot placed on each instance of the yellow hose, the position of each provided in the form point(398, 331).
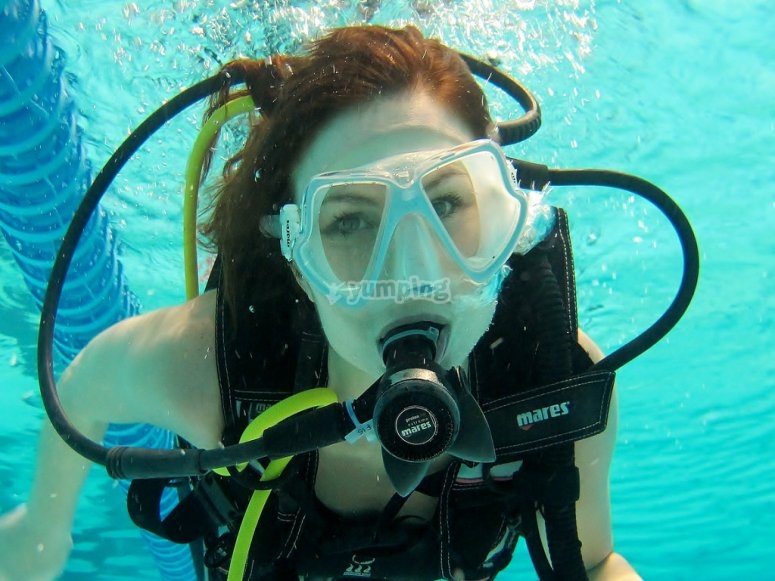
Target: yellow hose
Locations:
point(299, 402)
point(203, 141)
point(305, 400)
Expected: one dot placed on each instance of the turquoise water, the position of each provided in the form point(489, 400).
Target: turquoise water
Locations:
point(680, 93)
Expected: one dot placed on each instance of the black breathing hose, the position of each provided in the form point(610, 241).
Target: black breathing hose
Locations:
point(555, 463)
point(687, 240)
point(509, 132)
point(80, 443)
point(129, 462)
point(538, 176)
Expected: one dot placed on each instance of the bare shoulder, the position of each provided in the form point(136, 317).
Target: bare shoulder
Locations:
point(593, 458)
point(593, 511)
point(157, 368)
point(589, 346)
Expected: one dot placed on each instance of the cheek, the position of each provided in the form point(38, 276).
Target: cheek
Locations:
point(340, 325)
point(303, 285)
point(465, 333)
point(351, 333)
point(349, 261)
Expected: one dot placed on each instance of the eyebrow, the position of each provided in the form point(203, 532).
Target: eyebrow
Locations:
point(339, 197)
point(448, 171)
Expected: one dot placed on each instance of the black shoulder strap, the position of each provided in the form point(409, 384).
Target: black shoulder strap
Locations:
point(527, 412)
point(260, 362)
point(505, 359)
point(537, 411)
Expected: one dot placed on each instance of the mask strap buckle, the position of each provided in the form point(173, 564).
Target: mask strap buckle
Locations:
point(285, 226)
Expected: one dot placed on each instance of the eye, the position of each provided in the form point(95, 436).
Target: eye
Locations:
point(349, 210)
point(450, 190)
point(347, 224)
point(446, 205)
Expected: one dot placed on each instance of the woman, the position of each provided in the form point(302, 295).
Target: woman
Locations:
point(398, 108)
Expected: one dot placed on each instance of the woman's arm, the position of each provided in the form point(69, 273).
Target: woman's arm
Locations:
point(149, 369)
point(593, 510)
point(35, 538)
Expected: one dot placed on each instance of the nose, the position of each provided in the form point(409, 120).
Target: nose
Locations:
point(415, 255)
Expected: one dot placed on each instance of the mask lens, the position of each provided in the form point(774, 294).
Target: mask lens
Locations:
point(349, 223)
point(452, 193)
point(478, 211)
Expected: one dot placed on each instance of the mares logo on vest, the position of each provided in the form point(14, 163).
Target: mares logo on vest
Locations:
point(526, 420)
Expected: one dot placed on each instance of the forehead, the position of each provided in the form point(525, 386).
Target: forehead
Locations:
point(385, 127)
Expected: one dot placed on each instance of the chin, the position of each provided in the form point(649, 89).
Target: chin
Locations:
point(358, 344)
point(355, 334)
point(464, 334)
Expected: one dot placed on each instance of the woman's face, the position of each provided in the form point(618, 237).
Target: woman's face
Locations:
point(387, 127)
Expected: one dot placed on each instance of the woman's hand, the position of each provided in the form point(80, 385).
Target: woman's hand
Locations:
point(30, 551)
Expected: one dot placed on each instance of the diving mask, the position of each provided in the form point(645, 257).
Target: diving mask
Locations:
point(416, 215)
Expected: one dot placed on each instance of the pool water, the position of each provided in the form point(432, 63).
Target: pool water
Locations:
point(678, 92)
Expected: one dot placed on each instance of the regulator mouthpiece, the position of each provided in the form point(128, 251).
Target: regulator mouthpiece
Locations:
point(416, 415)
point(422, 410)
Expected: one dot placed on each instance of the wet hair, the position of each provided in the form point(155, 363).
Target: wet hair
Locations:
point(297, 96)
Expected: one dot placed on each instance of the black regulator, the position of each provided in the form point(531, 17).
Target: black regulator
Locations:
point(423, 411)
point(416, 415)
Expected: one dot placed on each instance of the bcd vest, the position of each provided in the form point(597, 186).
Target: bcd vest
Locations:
point(528, 374)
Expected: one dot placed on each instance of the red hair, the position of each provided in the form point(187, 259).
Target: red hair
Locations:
point(297, 96)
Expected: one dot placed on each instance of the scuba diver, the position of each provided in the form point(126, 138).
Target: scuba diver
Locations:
point(374, 240)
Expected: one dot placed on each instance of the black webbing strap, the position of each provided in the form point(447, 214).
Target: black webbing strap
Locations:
point(196, 515)
point(563, 411)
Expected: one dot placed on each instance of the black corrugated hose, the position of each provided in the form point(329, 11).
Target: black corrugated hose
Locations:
point(555, 466)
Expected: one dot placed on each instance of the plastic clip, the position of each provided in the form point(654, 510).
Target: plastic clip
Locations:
point(361, 430)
